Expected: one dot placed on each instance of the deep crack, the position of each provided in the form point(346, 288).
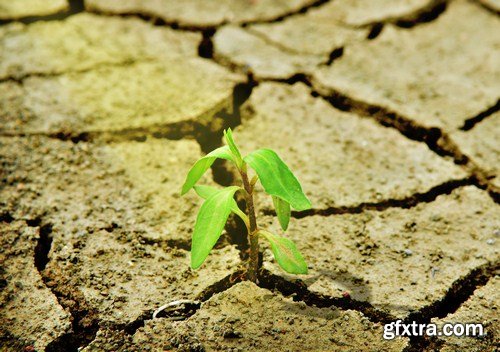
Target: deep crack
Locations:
point(428, 14)
point(404, 203)
point(84, 322)
point(206, 47)
point(375, 31)
point(334, 55)
point(436, 140)
point(298, 289)
point(43, 246)
point(459, 292)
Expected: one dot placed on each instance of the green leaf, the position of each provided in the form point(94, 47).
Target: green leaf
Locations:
point(228, 135)
point(202, 165)
point(206, 192)
point(282, 211)
point(286, 253)
point(210, 223)
point(277, 179)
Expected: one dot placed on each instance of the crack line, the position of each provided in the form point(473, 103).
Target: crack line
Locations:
point(473, 121)
point(404, 203)
point(75, 7)
point(20, 79)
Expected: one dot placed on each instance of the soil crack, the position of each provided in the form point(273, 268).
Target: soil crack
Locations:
point(459, 292)
point(75, 6)
point(436, 139)
point(193, 128)
point(298, 289)
point(84, 321)
point(428, 13)
point(405, 203)
point(301, 11)
point(20, 79)
point(473, 121)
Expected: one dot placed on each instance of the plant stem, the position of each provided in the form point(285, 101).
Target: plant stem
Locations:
point(253, 262)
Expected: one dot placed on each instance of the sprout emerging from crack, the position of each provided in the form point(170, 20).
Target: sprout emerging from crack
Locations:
point(277, 180)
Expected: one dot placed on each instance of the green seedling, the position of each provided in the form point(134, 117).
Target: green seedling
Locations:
point(277, 180)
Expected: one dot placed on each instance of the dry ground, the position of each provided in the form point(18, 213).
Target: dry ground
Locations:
point(387, 110)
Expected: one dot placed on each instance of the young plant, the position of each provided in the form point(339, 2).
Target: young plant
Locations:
point(277, 180)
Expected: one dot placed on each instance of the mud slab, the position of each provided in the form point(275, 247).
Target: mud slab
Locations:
point(401, 262)
point(158, 96)
point(30, 314)
point(12, 10)
point(282, 49)
point(200, 13)
point(103, 112)
point(86, 41)
point(249, 52)
point(424, 74)
point(93, 74)
point(114, 233)
point(333, 154)
point(299, 43)
point(365, 12)
point(86, 187)
point(482, 308)
point(247, 317)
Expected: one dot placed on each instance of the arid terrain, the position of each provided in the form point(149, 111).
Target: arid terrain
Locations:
point(386, 110)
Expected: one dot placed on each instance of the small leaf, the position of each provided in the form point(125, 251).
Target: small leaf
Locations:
point(210, 223)
point(286, 253)
point(277, 179)
point(206, 192)
point(228, 135)
point(202, 165)
point(282, 211)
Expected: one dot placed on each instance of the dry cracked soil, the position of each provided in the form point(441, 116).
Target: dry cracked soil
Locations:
point(386, 110)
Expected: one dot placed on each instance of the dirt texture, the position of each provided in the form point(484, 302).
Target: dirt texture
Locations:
point(10, 10)
point(481, 145)
point(226, 322)
point(28, 308)
point(82, 187)
point(438, 75)
point(184, 87)
point(85, 41)
point(202, 13)
point(188, 90)
point(386, 111)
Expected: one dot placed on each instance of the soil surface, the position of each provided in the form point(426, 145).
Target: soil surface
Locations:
point(386, 111)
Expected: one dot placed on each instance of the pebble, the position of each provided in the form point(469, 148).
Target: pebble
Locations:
point(490, 241)
point(408, 252)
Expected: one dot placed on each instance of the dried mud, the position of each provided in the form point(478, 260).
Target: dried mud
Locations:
point(387, 111)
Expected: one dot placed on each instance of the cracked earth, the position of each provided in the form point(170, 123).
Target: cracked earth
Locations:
point(387, 110)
